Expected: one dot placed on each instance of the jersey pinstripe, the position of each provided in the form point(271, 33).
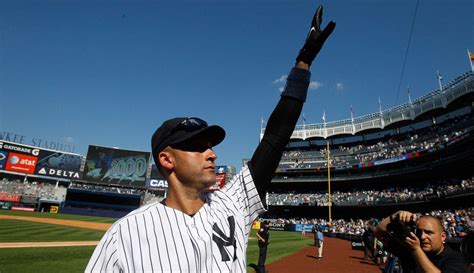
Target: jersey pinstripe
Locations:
point(156, 238)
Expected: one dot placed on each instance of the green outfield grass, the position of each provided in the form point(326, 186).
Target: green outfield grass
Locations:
point(24, 231)
point(282, 243)
point(45, 259)
point(74, 259)
point(59, 216)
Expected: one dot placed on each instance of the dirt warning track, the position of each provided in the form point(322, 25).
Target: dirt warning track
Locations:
point(70, 223)
point(338, 257)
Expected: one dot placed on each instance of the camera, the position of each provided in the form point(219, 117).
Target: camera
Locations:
point(400, 230)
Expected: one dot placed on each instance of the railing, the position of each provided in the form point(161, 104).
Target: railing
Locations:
point(456, 88)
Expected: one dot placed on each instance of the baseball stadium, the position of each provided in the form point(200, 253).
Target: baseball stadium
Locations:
point(340, 175)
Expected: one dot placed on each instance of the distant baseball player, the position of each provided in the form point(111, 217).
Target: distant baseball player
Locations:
point(194, 230)
point(319, 240)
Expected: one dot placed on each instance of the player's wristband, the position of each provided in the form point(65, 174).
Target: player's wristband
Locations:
point(297, 84)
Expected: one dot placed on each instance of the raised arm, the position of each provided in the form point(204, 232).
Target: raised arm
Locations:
point(284, 117)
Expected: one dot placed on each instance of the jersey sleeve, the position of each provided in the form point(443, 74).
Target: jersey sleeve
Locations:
point(105, 257)
point(245, 193)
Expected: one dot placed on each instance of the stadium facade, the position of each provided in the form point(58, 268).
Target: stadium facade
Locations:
point(417, 156)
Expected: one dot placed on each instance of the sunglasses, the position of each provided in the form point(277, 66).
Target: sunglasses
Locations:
point(190, 125)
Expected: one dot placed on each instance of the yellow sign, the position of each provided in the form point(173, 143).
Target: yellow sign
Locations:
point(53, 209)
point(256, 225)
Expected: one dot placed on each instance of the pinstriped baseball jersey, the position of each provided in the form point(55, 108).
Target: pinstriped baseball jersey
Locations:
point(156, 238)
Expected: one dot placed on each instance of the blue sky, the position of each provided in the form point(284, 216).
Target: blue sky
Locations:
point(110, 72)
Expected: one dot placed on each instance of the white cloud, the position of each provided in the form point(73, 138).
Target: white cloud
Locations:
point(339, 86)
point(281, 79)
point(69, 139)
point(314, 85)
point(281, 88)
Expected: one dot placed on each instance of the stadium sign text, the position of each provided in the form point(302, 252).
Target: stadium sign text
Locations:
point(38, 142)
point(10, 197)
point(60, 173)
point(20, 149)
point(21, 163)
point(159, 183)
point(357, 244)
point(276, 226)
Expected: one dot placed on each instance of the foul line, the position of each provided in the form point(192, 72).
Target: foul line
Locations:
point(47, 244)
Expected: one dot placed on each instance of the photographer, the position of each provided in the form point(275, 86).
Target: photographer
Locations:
point(419, 243)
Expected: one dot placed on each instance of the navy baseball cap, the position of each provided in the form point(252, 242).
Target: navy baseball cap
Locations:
point(179, 130)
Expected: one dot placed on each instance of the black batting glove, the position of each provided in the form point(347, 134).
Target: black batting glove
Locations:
point(316, 38)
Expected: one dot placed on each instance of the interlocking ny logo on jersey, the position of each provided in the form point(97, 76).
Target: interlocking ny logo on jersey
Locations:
point(223, 240)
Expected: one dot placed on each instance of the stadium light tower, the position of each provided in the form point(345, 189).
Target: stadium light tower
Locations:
point(409, 96)
point(440, 78)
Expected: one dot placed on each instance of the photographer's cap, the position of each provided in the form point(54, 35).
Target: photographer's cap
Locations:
point(181, 129)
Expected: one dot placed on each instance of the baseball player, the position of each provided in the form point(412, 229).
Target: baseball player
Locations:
point(194, 230)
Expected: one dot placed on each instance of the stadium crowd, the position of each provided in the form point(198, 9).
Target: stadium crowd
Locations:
point(436, 136)
point(34, 189)
point(370, 197)
point(103, 188)
point(149, 196)
point(59, 192)
point(456, 222)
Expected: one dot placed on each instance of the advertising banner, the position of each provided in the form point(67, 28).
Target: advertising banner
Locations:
point(221, 169)
point(32, 160)
point(5, 205)
point(256, 225)
point(51, 199)
point(26, 199)
point(155, 174)
point(220, 178)
point(18, 148)
point(357, 244)
point(283, 227)
point(116, 166)
point(156, 181)
point(21, 163)
point(152, 183)
point(10, 197)
point(58, 164)
point(303, 227)
point(54, 209)
point(23, 209)
point(3, 159)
